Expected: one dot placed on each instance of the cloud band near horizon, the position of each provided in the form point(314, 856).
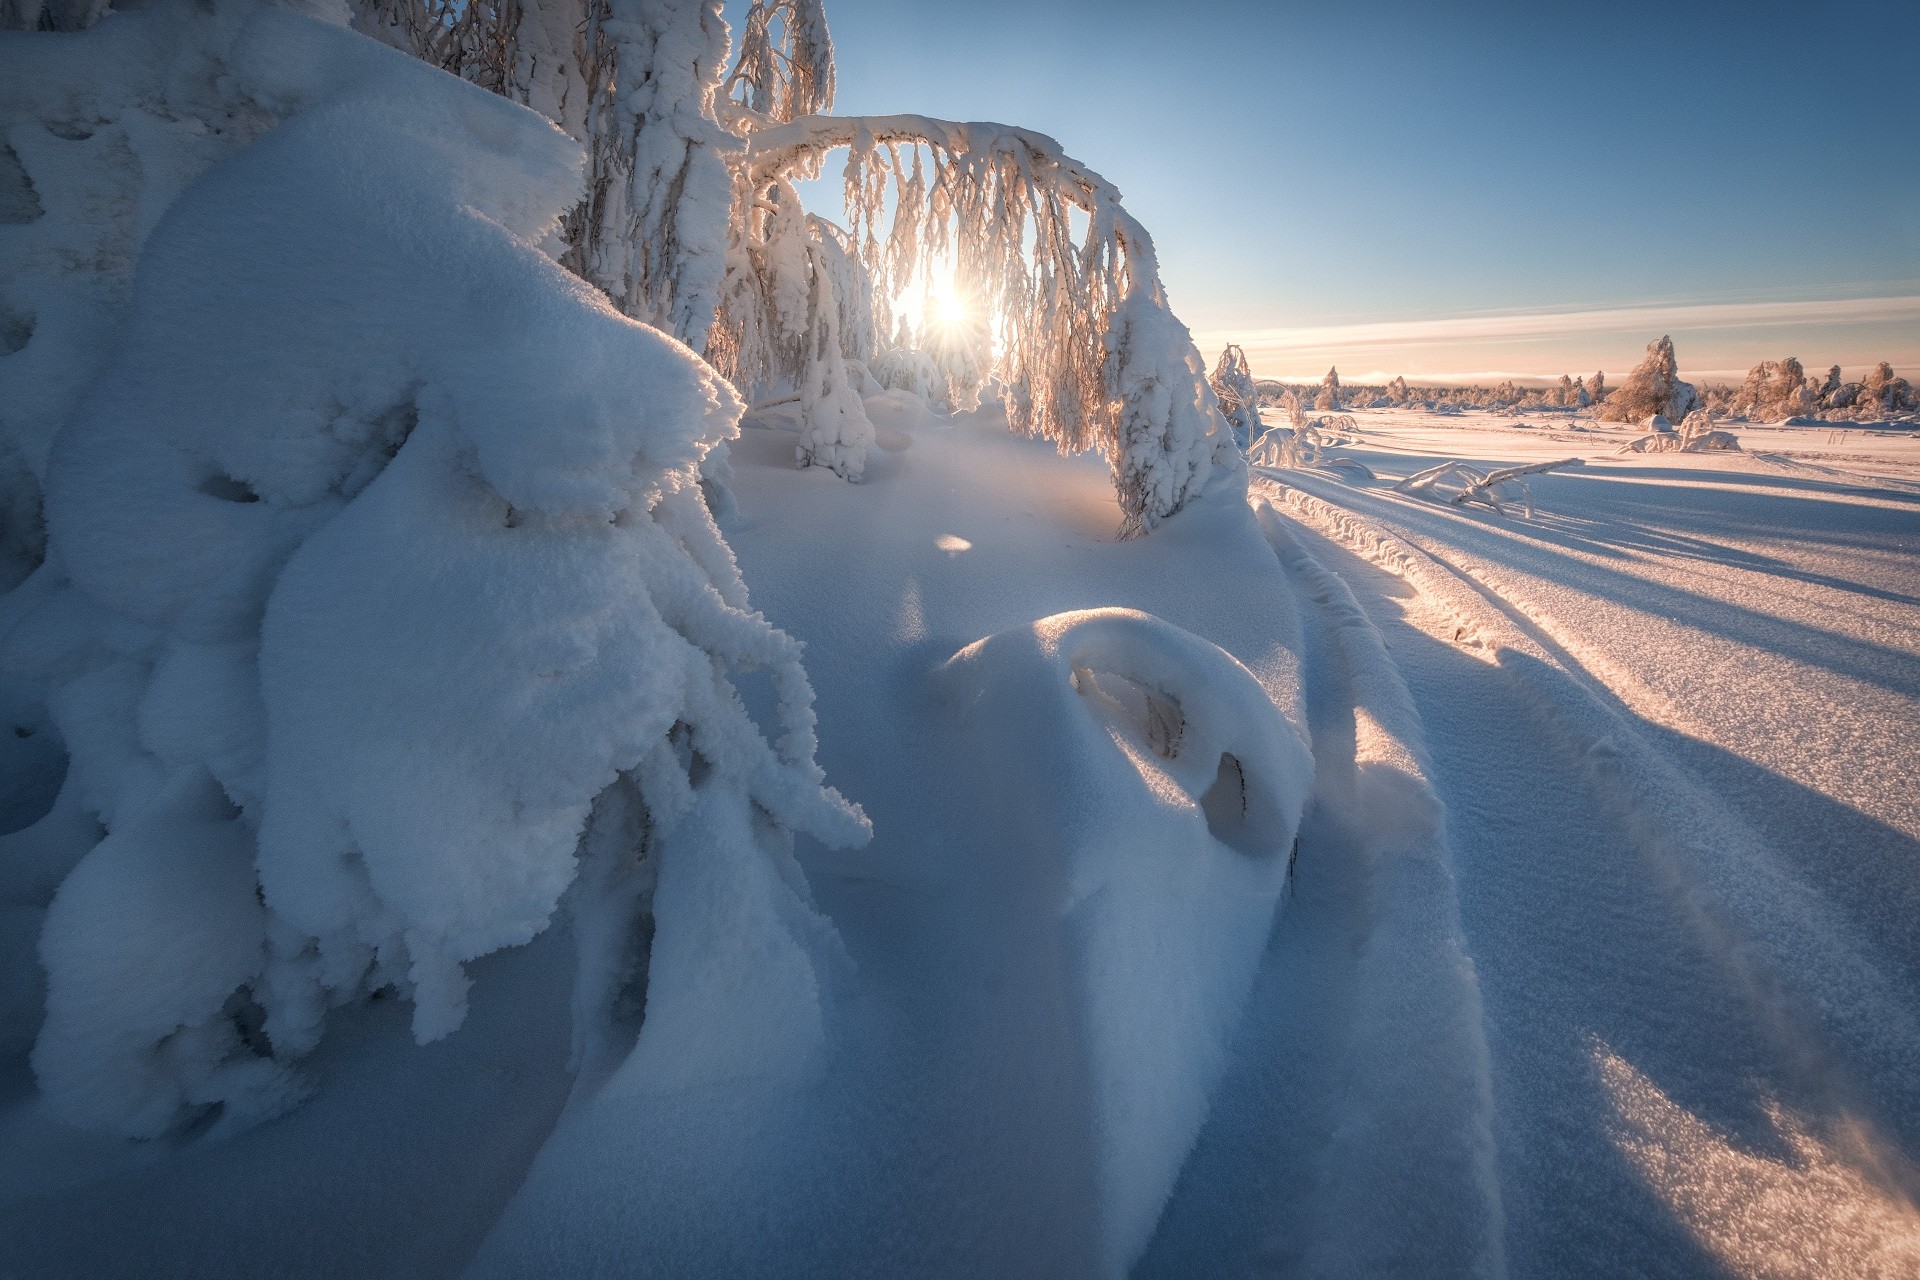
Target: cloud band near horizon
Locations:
point(1851, 332)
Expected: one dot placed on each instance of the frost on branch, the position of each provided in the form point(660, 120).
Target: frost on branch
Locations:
point(1307, 442)
point(1696, 435)
point(363, 641)
point(1086, 350)
point(1232, 384)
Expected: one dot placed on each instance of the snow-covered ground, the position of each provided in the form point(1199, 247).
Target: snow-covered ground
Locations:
point(1595, 954)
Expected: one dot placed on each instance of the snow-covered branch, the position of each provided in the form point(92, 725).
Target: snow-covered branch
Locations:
point(1461, 483)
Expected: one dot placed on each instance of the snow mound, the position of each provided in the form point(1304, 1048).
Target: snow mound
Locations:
point(1163, 842)
point(146, 943)
point(743, 969)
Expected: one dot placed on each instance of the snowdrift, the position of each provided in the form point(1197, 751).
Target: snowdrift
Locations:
point(1163, 842)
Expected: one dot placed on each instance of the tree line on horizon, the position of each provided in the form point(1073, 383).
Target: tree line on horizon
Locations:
point(1773, 391)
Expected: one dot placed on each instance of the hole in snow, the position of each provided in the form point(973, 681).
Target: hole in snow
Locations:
point(16, 330)
point(1146, 715)
point(19, 202)
point(1225, 802)
point(227, 489)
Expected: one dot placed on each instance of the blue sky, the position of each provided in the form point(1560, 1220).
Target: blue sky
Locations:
point(1329, 183)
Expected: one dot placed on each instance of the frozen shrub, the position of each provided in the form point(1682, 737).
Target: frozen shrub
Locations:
point(1884, 392)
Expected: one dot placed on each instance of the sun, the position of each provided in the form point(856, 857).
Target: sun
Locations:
point(950, 310)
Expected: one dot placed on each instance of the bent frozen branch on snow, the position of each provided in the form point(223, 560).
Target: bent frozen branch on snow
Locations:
point(1482, 487)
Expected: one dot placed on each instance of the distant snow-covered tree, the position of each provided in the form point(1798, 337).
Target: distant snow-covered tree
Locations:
point(1830, 387)
point(1774, 390)
point(1398, 392)
point(1329, 397)
point(1581, 396)
point(1883, 391)
point(1654, 387)
point(1598, 387)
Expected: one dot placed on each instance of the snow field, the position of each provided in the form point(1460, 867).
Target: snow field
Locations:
point(1796, 1015)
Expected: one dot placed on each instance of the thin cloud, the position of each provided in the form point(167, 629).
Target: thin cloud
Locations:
point(1524, 326)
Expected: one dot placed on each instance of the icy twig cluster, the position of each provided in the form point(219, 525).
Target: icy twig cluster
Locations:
point(1696, 435)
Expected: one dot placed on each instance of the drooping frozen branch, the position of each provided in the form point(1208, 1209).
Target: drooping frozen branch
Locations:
point(1061, 276)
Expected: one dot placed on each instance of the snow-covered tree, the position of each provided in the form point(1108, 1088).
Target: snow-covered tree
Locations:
point(1829, 388)
point(1078, 335)
point(371, 649)
point(1398, 392)
point(1233, 386)
point(1773, 390)
point(1329, 397)
point(1581, 396)
point(1087, 351)
point(1654, 387)
point(1883, 391)
point(637, 82)
point(1598, 387)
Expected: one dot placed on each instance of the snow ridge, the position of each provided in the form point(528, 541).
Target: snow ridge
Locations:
point(1429, 1205)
